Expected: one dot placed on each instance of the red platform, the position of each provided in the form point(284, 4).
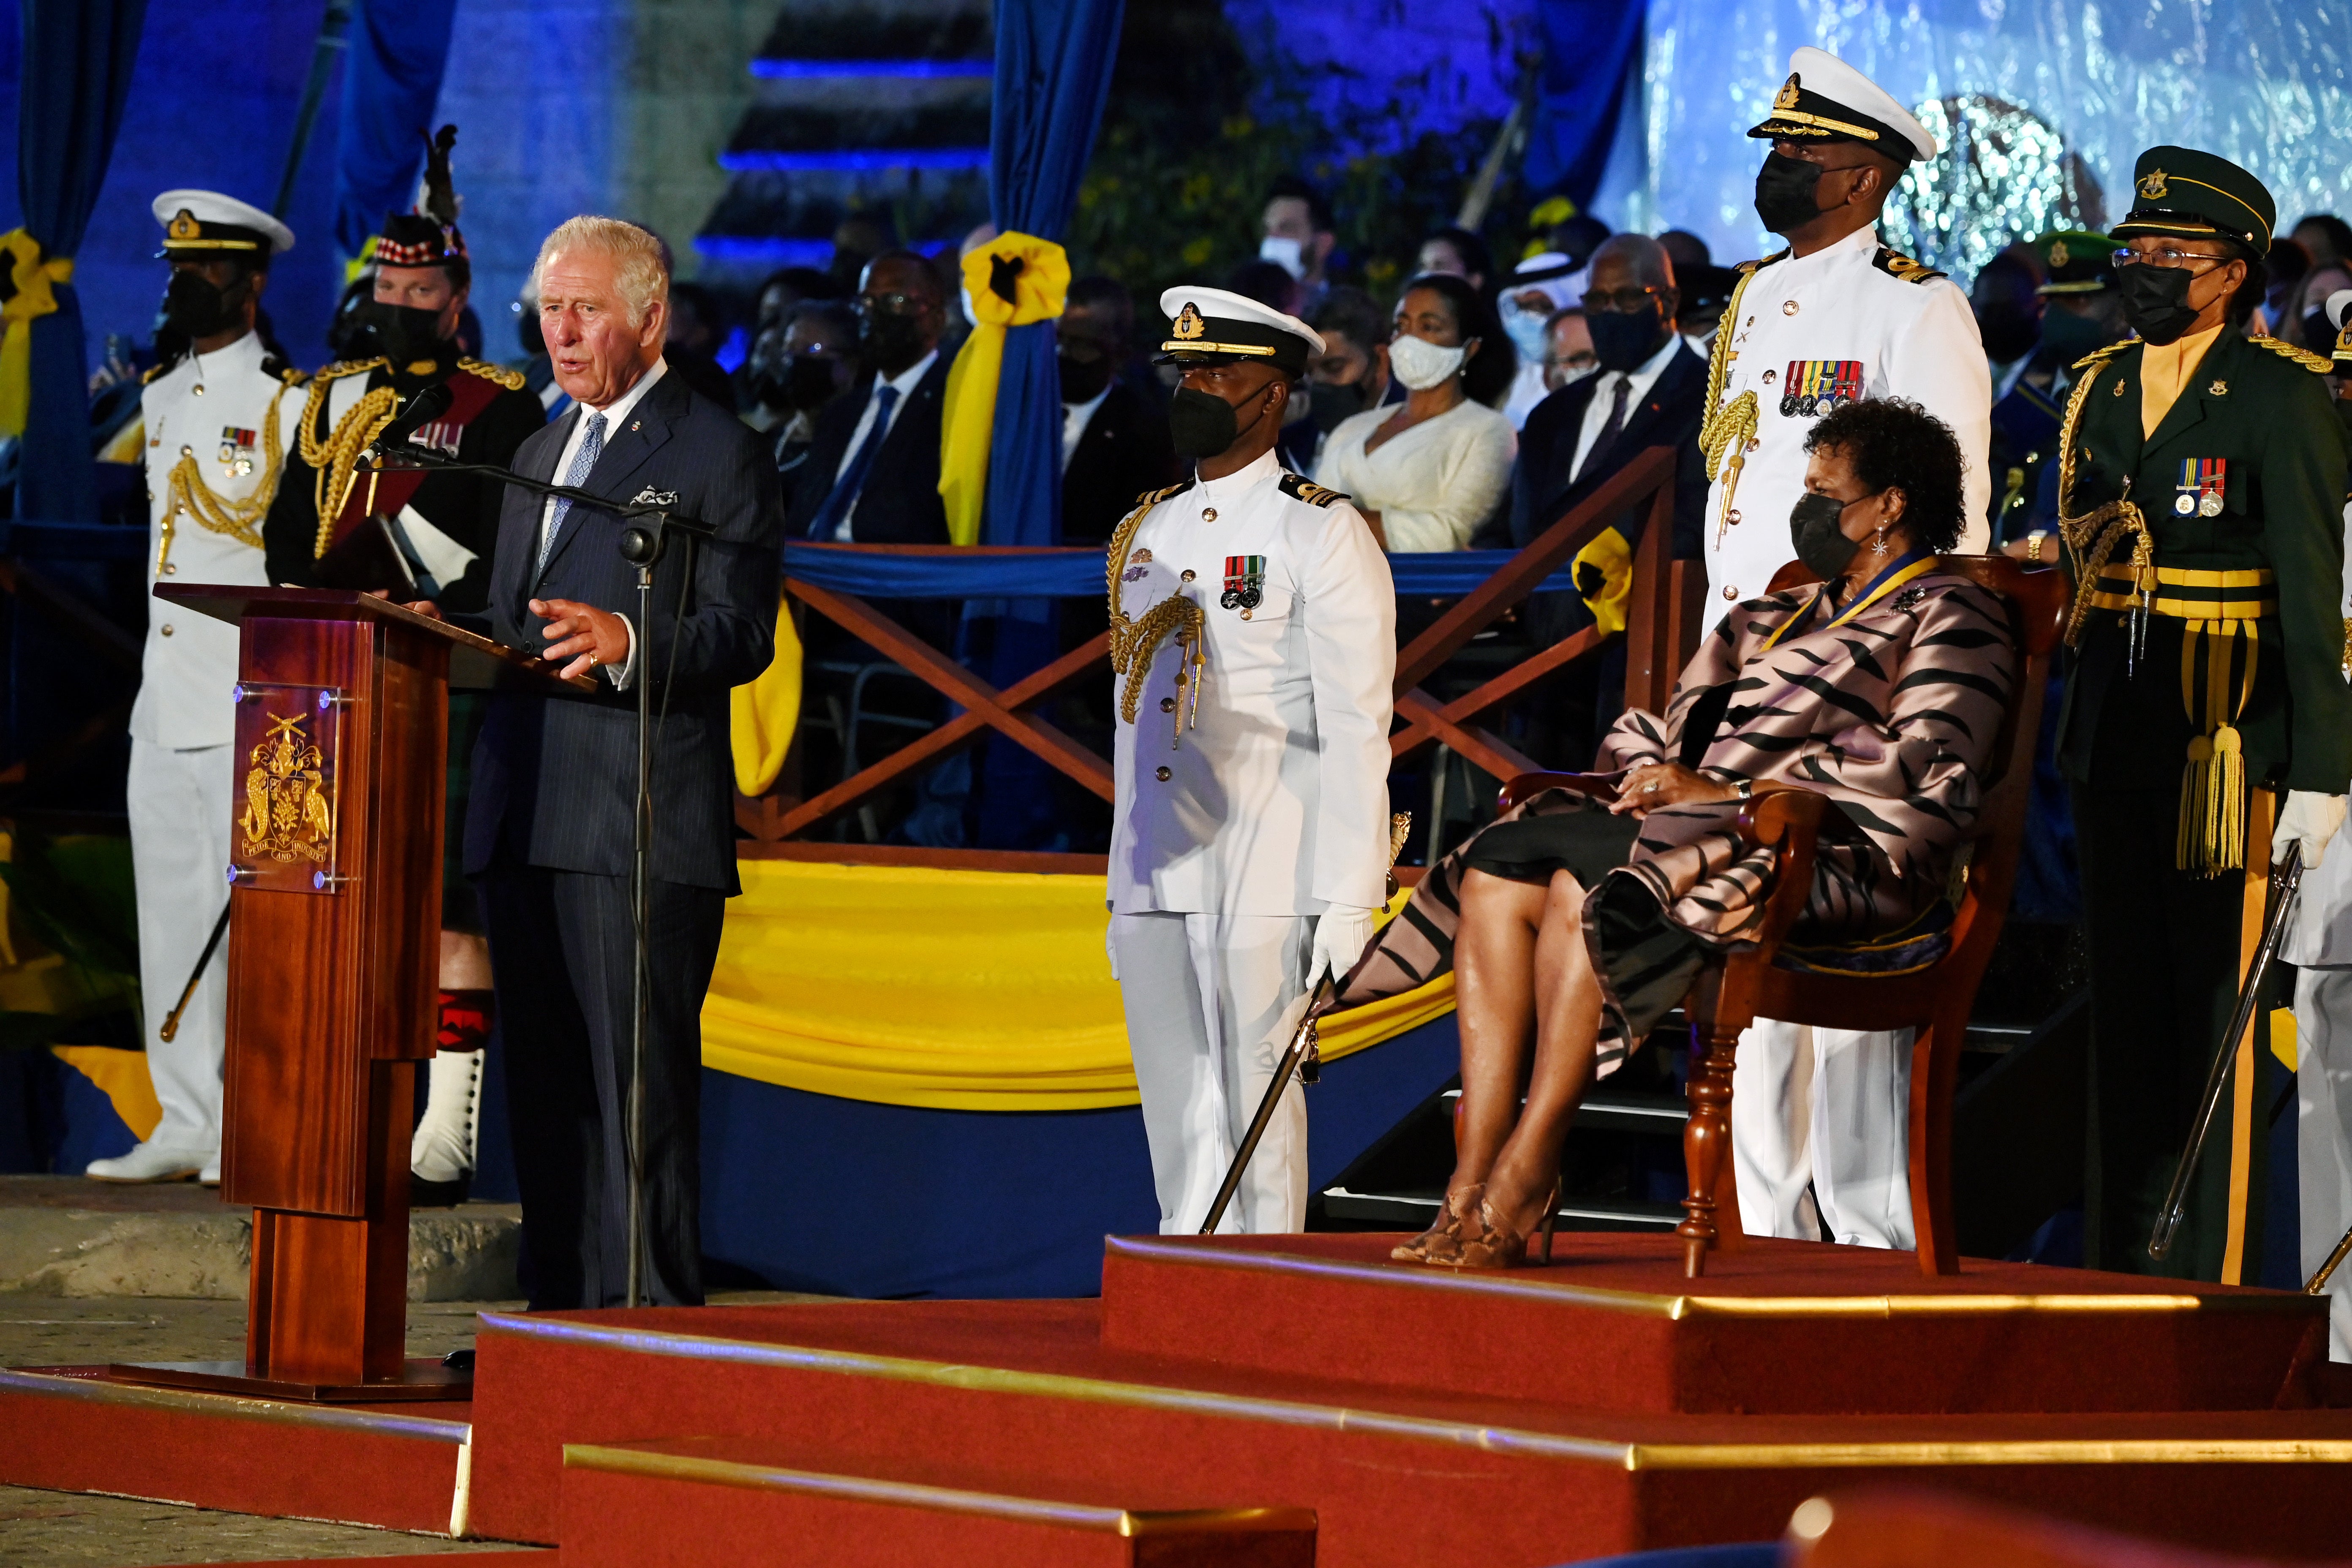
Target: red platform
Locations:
point(1228, 1400)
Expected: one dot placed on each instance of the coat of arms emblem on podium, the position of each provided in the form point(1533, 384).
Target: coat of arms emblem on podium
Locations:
point(287, 815)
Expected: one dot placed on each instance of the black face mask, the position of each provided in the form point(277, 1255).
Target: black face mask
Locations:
point(401, 333)
point(807, 384)
point(2009, 330)
point(1327, 405)
point(1622, 342)
point(1813, 528)
point(2068, 336)
point(2156, 301)
point(890, 342)
point(2318, 335)
point(193, 306)
point(1201, 425)
point(1083, 380)
point(1785, 194)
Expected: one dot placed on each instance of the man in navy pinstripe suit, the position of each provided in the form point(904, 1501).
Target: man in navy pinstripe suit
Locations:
point(549, 835)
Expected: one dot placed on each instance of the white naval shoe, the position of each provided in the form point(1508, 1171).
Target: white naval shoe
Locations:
point(441, 1155)
point(210, 1175)
point(154, 1163)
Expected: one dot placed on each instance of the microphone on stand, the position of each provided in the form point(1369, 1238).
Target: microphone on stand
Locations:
point(429, 404)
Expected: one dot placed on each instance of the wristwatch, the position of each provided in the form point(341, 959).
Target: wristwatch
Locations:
point(2033, 544)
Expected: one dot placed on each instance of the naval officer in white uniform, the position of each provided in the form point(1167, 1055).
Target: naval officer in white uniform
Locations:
point(1820, 1116)
point(216, 426)
point(1254, 646)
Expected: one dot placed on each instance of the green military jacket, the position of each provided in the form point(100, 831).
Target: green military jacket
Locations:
point(2258, 406)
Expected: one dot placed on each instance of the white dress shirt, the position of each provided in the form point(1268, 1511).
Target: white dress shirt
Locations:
point(1076, 418)
point(906, 381)
point(1641, 378)
point(613, 413)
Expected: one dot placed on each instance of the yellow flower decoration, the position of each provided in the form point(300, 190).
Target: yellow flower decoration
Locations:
point(1013, 280)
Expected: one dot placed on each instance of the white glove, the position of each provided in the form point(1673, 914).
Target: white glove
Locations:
point(1341, 934)
point(1111, 950)
point(2309, 822)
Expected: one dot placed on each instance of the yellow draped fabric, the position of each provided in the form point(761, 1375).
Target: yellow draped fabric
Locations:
point(955, 990)
point(1039, 274)
point(764, 713)
point(1611, 561)
point(33, 281)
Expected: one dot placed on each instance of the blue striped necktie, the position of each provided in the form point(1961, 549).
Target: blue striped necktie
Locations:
point(853, 477)
point(583, 462)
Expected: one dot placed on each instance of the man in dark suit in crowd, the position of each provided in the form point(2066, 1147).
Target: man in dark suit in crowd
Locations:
point(1649, 392)
point(873, 470)
point(1114, 441)
point(550, 836)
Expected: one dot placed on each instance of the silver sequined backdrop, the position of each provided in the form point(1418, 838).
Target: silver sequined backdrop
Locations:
point(2057, 99)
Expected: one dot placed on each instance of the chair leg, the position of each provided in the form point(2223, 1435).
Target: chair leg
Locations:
point(1707, 1146)
point(1935, 1076)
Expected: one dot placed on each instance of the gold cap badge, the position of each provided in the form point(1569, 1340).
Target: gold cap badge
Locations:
point(184, 225)
point(2059, 254)
point(1787, 98)
point(2152, 187)
point(1189, 324)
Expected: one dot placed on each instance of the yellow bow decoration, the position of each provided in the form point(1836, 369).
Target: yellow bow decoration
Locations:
point(32, 283)
point(1013, 280)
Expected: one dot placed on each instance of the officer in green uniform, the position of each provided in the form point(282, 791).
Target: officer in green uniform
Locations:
point(2201, 493)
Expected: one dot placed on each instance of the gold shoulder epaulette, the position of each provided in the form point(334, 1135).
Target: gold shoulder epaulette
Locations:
point(1153, 497)
point(151, 373)
point(291, 376)
point(341, 368)
point(509, 379)
point(1762, 261)
point(1313, 494)
point(1895, 264)
point(2311, 362)
point(2104, 352)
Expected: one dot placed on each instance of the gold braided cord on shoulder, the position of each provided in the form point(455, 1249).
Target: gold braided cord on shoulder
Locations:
point(1133, 642)
point(1733, 428)
point(509, 379)
point(334, 457)
point(2092, 539)
point(186, 494)
point(2316, 363)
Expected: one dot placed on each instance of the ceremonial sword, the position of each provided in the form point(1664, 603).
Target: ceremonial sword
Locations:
point(171, 1019)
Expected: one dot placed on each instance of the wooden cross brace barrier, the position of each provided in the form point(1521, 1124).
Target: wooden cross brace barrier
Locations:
point(1661, 631)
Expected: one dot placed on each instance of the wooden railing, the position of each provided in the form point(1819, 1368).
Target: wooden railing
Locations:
point(1661, 632)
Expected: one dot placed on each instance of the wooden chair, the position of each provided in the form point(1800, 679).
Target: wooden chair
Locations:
point(1740, 986)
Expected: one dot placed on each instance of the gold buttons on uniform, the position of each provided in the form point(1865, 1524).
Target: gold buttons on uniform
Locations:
point(1787, 306)
point(187, 451)
point(167, 629)
point(1768, 375)
point(1245, 614)
point(198, 389)
point(1167, 705)
point(169, 570)
point(1188, 574)
point(1161, 773)
point(1731, 592)
point(1207, 514)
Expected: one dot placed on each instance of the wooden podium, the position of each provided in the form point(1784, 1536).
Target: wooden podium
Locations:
point(341, 761)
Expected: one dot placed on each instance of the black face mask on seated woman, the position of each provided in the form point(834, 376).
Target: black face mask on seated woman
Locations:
point(1821, 545)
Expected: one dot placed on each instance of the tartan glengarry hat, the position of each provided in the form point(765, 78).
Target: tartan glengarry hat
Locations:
point(1826, 99)
point(2078, 262)
point(413, 240)
point(2196, 196)
point(205, 223)
point(1216, 325)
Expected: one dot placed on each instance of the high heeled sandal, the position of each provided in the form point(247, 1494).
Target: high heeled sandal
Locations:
point(1440, 1245)
point(1498, 1245)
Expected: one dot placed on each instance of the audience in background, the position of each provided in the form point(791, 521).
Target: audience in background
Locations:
point(2008, 315)
point(1114, 441)
point(2282, 270)
point(1348, 376)
point(1298, 238)
point(1460, 253)
point(858, 240)
point(1568, 347)
point(813, 363)
point(1426, 476)
point(2303, 322)
point(786, 287)
point(1687, 251)
point(1539, 286)
point(873, 467)
point(1577, 238)
point(1268, 283)
point(2325, 239)
point(698, 326)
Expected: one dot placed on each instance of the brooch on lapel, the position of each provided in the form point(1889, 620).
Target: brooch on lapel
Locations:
point(651, 497)
point(1910, 599)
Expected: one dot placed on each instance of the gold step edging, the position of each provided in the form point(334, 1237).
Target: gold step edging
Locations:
point(1617, 1453)
point(1131, 1522)
point(1684, 1307)
point(375, 1422)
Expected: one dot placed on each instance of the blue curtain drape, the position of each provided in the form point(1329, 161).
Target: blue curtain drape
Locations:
point(391, 84)
point(1053, 73)
point(77, 77)
point(1592, 59)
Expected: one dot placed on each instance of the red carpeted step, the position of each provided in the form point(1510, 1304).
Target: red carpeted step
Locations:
point(1778, 1328)
point(1392, 1474)
point(520, 1557)
point(717, 1502)
point(400, 1469)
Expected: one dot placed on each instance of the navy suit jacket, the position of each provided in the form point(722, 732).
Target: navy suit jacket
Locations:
point(901, 503)
point(1543, 489)
point(554, 779)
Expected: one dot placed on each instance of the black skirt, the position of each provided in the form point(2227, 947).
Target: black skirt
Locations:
point(1588, 845)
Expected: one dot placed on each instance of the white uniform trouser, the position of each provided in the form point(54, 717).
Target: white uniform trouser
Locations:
point(1828, 1108)
point(2323, 1135)
point(179, 805)
point(1205, 996)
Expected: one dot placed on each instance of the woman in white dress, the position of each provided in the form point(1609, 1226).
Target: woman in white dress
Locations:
point(1427, 474)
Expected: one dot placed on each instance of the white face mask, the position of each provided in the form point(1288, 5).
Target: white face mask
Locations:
point(1422, 365)
point(1525, 328)
point(1287, 254)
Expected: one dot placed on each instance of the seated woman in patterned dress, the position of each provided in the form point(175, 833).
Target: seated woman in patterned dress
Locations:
point(1574, 923)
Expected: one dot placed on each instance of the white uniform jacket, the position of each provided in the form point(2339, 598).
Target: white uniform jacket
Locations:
point(1853, 320)
point(1275, 801)
point(206, 443)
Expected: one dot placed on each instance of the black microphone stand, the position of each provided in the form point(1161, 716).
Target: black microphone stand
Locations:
point(643, 544)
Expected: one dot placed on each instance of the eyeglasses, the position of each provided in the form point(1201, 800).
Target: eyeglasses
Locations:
point(1619, 302)
point(2167, 256)
point(891, 304)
